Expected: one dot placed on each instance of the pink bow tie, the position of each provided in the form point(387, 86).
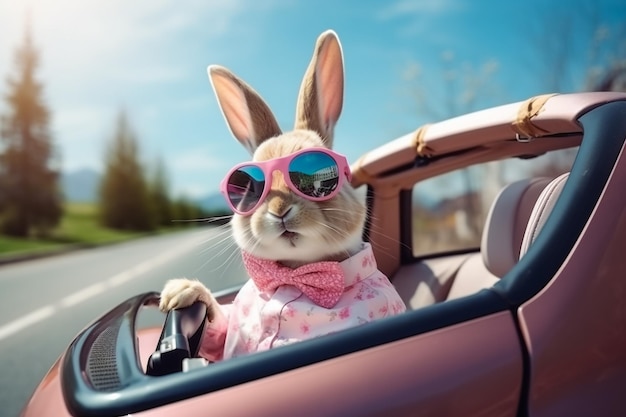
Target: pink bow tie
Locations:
point(322, 282)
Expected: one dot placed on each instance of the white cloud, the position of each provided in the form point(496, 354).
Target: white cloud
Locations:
point(200, 159)
point(404, 8)
point(97, 41)
point(161, 74)
point(78, 118)
point(418, 18)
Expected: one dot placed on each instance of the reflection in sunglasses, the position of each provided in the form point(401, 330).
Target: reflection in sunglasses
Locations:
point(317, 184)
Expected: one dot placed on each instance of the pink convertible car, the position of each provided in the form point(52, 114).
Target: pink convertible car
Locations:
point(503, 231)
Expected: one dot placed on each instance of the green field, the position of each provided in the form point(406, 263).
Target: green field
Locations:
point(79, 227)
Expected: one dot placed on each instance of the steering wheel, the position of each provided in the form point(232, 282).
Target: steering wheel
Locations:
point(101, 371)
point(180, 339)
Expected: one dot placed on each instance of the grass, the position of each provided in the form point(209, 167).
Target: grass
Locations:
point(79, 227)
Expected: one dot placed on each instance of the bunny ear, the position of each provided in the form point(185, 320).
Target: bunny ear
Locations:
point(321, 92)
point(250, 120)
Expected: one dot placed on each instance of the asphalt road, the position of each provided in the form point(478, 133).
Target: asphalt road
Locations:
point(44, 303)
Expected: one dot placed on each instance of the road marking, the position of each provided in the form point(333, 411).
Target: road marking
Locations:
point(139, 269)
point(28, 320)
point(148, 265)
point(83, 295)
point(91, 291)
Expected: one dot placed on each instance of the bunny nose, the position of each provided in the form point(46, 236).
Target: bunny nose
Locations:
point(280, 214)
point(280, 206)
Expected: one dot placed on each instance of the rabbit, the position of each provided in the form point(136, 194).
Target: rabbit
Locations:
point(288, 232)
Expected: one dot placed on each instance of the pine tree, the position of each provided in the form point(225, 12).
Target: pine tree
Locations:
point(160, 194)
point(185, 211)
point(30, 197)
point(124, 196)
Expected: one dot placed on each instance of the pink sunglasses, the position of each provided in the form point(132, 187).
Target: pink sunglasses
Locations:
point(316, 174)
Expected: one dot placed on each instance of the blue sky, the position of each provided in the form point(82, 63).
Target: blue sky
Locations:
point(149, 57)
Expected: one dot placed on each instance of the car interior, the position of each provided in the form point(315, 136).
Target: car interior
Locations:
point(515, 218)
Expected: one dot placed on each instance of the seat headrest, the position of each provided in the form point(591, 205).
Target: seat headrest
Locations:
point(506, 224)
point(541, 211)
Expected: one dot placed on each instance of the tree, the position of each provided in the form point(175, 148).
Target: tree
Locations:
point(455, 88)
point(186, 211)
point(160, 194)
point(30, 196)
point(614, 79)
point(124, 195)
point(579, 48)
point(459, 89)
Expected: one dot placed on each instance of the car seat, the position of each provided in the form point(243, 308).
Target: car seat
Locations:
point(515, 218)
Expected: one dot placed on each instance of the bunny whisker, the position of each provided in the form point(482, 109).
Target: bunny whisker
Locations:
point(217, 241)
point(204, 219)
point(379, 232)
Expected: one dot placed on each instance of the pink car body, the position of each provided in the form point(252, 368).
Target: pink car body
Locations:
point(543, 335)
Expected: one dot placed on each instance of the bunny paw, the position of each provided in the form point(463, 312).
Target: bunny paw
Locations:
point(182, 292)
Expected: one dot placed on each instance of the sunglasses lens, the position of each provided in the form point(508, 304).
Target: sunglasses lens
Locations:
point(314, 173)
point(245, 187)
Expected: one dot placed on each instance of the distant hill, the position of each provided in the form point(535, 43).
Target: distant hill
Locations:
point(81, 185)
point(213, 202)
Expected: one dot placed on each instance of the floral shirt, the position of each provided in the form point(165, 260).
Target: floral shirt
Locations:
point(259, 320)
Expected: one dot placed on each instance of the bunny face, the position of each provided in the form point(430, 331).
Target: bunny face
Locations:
point(285, 226)
point(292, 229)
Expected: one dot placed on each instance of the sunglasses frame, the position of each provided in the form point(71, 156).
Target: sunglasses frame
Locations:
point(281, 164)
